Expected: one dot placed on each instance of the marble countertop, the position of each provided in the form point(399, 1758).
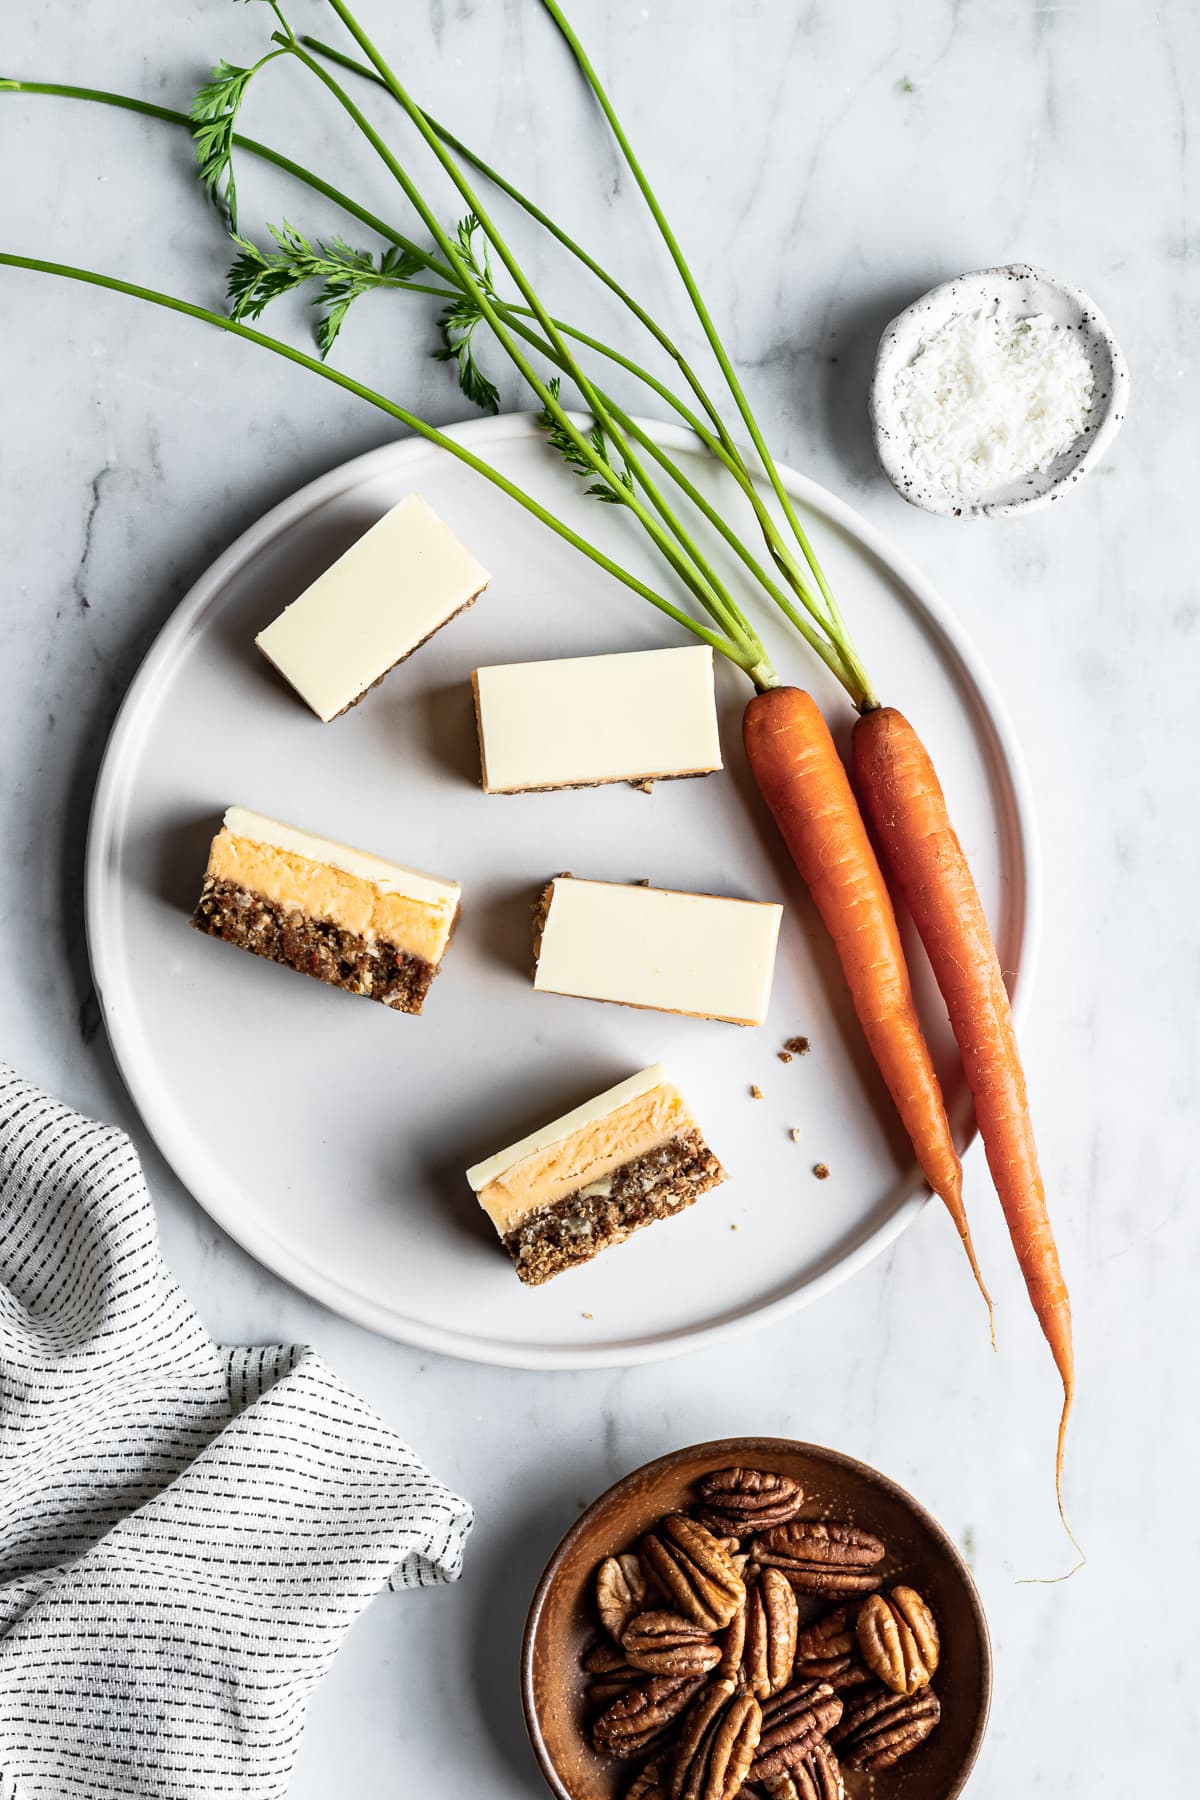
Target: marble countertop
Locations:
point(823, 164)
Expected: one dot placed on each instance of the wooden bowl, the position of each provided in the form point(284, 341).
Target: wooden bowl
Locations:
point(562, 1619)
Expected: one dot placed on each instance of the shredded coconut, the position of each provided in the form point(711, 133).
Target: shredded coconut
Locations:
point(991, 398)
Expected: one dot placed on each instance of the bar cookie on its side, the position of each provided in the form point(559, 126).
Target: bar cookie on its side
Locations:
point(588, 1180)
point(346, 917)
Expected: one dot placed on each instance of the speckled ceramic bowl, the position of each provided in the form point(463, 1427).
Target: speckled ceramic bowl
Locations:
point(562, 1621)
point(1024, 291)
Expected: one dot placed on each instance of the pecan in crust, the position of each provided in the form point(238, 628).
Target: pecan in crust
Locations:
point(316, 947)
point(573, 1229)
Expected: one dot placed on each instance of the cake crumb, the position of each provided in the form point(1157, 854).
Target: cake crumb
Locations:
point(756, 1092)
point(642, 881)
point(643, 787)
point(797, 1046)
point(587, 1315)
point(733, 1228)
point(784, 1055)
point(794, 1134)
point(821, 1171)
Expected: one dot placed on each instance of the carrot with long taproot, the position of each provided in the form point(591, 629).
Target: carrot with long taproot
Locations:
point(904, 802)
point(802, 779)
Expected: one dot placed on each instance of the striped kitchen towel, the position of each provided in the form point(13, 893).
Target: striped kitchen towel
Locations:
point(186, 1531)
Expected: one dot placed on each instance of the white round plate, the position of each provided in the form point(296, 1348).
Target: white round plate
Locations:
point(328, 1135)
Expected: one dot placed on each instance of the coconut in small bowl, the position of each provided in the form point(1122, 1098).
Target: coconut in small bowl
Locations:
point(995, 393)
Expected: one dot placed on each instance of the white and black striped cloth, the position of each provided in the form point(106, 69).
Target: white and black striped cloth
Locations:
point(186, 1531)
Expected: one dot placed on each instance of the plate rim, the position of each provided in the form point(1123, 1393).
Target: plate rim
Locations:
point(140, 1077)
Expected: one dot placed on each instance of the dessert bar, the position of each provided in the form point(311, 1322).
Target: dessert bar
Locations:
point(620, 1161)
point(642, 946)
point(580, 721)
point(341, 915)
point(401, 581)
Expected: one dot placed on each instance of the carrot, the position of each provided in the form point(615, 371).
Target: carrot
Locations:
point(903, 800)
point(800, 776)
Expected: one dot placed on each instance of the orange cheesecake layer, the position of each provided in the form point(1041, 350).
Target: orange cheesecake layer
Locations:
point(321, 891)
point(587, 1155)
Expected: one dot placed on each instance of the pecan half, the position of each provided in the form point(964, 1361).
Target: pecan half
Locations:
point(744, 1500)
point(879, 1727)
point(898, 1637)
point(829, 1637)
point(792, 1721)
point(716, 1745)
point(772, 1620)
point(694, 1570)
point(733, 1644)
point(644, 1714)
point(816, 1776)
point(611, 1674)
point(650, 1783)
point(621, 1591)
point(827, 1650)
point(822, 1559)
point(664, 1643)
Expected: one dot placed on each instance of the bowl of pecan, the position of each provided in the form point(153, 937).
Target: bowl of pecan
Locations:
point(757, 1617)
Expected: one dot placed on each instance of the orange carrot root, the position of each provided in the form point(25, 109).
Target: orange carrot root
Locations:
point(800, 776)
point(904, 802)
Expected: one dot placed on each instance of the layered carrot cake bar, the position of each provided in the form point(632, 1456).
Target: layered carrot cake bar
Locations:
point(581, 721)
point(398, 584)
point(341, 915)
point(590, 1179)
point(656, 947)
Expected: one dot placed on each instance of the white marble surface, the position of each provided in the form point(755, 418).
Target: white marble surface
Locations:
point(824, 164)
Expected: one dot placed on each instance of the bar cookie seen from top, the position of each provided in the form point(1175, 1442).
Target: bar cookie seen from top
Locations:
point(583, 721)
point(400, 582)
point(700, 954)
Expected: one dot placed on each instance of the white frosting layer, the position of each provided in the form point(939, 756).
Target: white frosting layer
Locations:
point(554, 1133)
point(684, 953)
point(403, 578)
point(387, 877)
point(627, 717)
